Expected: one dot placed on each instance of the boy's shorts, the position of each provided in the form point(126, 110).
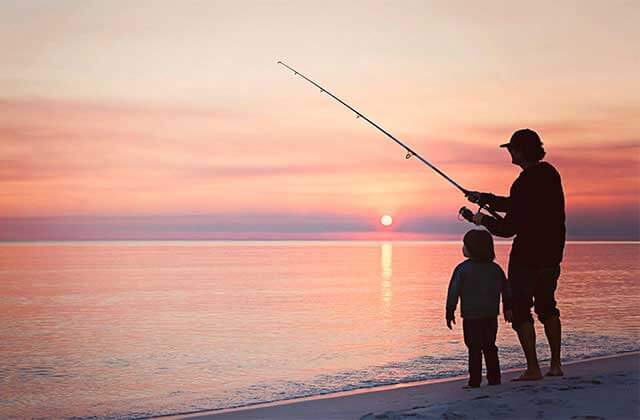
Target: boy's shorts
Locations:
point(533, 287)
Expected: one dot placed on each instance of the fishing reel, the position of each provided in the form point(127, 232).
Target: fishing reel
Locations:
point(466, 214)
point(481, 201)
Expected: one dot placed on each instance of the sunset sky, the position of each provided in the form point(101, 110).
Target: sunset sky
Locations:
point(172, 120)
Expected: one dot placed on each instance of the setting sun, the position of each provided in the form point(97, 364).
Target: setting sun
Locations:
point(386, 220)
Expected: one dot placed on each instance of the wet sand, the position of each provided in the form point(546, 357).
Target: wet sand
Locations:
point(602, 388)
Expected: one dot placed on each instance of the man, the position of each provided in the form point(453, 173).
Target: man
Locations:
point(535, 215)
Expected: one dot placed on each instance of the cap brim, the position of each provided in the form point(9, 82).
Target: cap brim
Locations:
point(505, 145)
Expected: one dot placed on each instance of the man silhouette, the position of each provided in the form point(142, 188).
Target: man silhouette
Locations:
point(535, 215)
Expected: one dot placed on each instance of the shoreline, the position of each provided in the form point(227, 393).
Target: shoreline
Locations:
point(345, 404)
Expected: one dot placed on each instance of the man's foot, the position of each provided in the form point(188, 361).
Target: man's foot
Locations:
point(529, 376)
point(495, 383)
point(554, 371)
point(469, 386)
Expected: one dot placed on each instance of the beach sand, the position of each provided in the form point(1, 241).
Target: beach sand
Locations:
point(602, 388)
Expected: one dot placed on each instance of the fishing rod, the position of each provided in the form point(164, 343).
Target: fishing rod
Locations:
point(464, 212)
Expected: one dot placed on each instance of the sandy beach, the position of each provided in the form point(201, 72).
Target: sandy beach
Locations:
point(601, 388)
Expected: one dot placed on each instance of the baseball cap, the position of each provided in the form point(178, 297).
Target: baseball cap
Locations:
point(523, 137)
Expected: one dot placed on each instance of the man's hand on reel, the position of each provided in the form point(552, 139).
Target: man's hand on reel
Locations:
point(479, 198)
point(477, 218)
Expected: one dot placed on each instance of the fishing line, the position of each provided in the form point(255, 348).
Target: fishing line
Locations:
point(409, 152)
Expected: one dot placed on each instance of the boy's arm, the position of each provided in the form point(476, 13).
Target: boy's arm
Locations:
point(453, 293)
point(506, 296)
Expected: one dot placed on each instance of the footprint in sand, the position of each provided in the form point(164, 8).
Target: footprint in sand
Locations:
point(548, 401)
point(570, 387)
point(529, 389)
point(501, 411)
point(592, 381)
point(372, 416)
point(453, 415)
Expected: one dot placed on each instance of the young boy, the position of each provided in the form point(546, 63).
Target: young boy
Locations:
point(479, 281)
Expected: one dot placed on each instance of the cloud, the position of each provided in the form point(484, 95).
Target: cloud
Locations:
point(60, 157)
point(595, 225)
point(109, 109)
point(211, 226)
point(594, 125)
point(606, 224)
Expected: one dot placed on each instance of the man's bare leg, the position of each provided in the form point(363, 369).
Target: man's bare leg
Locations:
point(553, 331)
point(527, 336)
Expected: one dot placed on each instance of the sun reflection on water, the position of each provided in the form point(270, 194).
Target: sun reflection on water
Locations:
point(386, 260)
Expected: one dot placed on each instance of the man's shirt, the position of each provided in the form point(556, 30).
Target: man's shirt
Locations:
point(535, 214)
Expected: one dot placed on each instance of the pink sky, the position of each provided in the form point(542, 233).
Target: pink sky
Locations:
point(156, 120)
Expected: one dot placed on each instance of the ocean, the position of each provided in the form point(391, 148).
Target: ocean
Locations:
point(137, 329)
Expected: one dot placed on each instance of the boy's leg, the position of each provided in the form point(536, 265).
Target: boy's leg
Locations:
point(491, 351)
point(472, 339)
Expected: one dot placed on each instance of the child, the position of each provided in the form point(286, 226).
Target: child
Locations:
point(479, 281)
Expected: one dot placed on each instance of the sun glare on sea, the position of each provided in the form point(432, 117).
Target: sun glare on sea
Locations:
point(386, 220)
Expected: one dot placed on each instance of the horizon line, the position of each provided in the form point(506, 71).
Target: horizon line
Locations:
point(498, 241)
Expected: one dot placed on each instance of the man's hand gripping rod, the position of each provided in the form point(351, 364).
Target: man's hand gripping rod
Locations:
point(409, 151)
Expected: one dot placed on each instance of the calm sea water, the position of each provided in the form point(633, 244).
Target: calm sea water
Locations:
point(134, 329)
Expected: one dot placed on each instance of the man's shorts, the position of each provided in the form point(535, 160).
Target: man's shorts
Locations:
point(533, 287)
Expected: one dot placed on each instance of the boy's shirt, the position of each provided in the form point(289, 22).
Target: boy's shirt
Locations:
point(479, 286)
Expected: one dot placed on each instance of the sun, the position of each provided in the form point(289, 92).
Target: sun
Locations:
point(386, 220)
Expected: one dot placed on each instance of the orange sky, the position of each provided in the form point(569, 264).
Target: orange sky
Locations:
point(172, 120)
